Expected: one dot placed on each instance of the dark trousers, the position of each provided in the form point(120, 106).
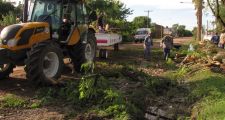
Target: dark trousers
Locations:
point(147, 52)
point(166, 53)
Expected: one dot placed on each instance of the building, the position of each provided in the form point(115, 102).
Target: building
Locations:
point(157, 31)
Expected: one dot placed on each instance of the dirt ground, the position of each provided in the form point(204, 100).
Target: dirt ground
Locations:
point(18, 85)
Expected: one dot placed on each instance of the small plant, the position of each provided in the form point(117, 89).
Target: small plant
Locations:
point(13, 101)
point(35, 105)
point(46, 95)
point(113, 96)
point(88, 67)
point(70, 92)
point(91, 86)
point(180, 74)
point(170, 64)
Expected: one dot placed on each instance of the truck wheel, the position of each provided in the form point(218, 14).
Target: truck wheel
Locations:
point(103, 53)
point(44, 63)
point(5, 70)
point(83, 52)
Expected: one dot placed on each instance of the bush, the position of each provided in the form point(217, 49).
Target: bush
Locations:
point(13, 101)
point(8, 19)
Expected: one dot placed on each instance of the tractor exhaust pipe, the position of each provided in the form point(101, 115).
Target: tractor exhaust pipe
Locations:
point(25, 11)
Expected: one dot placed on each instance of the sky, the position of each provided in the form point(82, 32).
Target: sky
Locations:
point(167, 12)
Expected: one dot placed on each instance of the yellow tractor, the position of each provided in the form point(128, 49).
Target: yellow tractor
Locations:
point(56, 29)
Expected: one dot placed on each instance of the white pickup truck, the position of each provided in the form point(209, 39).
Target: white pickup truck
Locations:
point(105, 40)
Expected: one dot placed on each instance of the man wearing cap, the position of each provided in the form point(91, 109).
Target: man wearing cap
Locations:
point(148, 42)
point(167, 44)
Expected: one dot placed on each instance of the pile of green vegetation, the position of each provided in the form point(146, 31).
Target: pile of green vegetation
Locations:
point(206, 88)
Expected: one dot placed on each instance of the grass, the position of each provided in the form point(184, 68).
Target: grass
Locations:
point(12, 101)
point(206, 92)
point(208, 89)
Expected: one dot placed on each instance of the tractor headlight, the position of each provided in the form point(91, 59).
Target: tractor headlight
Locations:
point(12, 43)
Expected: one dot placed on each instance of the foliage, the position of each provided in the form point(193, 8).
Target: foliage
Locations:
point(141, 22)
point(208, 88)
point(35, 105)
point(170, 64)
point(5, 8)
point(179, 75)
point(87, 67)
point(89, 87)
point(180, 31)
point(8, 19)
point(115, 16)
point(117, 9)
point(13, 101)
point(218, 7)
point(194, 32)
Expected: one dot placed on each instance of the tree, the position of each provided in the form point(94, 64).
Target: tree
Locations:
point(199, 7)
point(115, 13)
point(194, 32)
point(218, 9)
point(181, 30)
point(114, 9)
point(141, 21)
point(174, 29)
point(5, 8)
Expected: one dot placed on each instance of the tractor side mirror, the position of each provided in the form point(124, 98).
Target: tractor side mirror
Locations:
point(93, 16)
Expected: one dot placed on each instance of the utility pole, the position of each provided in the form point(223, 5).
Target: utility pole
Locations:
point(148, 11)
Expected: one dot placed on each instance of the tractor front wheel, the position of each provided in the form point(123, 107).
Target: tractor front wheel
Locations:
point(45, 63)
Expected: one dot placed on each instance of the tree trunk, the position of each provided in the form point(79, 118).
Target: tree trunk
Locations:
point(199, 21)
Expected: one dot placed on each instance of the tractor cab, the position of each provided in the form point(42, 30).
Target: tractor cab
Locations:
point(63, 16)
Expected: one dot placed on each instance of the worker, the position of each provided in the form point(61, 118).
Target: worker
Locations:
point(148, 43)
point(101, 22)
point(66, 27)
point(167, 45)
point(222, 40)
point(215, 39)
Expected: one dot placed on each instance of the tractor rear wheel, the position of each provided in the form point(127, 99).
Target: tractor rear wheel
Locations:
point(5, 70)
point(83, 52)
point(44, 63)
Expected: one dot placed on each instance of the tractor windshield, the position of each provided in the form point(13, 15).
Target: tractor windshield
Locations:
point(47, 8)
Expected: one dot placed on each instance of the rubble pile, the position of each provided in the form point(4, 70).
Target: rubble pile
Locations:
point(206, 54)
